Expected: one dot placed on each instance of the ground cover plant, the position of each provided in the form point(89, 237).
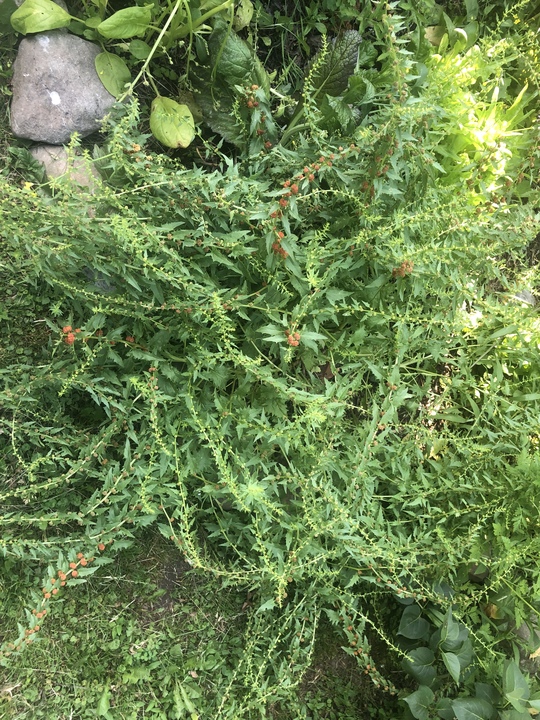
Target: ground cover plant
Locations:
point(299, 358)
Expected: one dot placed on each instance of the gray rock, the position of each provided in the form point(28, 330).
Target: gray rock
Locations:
point(526, 296)
point(57, 162)
point(56, 89)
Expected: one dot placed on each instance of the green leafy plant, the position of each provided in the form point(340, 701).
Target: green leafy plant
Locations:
point(171, 121)
point(440, 650)
point(310, 370)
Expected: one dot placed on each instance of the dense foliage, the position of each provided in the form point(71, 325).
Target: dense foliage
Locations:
point(311, 360)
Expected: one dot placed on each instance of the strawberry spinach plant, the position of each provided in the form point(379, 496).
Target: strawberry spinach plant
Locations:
point(308, 365)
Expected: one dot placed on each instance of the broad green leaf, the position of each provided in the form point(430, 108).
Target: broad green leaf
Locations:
point(139, 49)
point(419, 664)
point(419, 702)
point(487, 692)
point(515, 686)
point(472, 709)
point(113, 72)
point(515, 714)
point(449, 631)
point(444, 709)
point(7, 8)
point(413, 626)
point(452, 664)
point(367, 54)
point(171, 123)
point(38, 16)
point(334, 66)
point(472, 9)
point(464, 654)
point(234, 61)
point(126, 23)
point(243, 15)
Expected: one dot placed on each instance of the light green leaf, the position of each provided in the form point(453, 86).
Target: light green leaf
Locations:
point(243, 15)
point(452, 664)
point(171, 123)
point(452, 633)
point(38, 16)
point(472, 709)
point(268, 605)
point(103, 704)
point(413, 626)
point(126, 23)
point(139, 49)
point(190, 707)
point(419, 702)
point(515, 686)
point(113, 72)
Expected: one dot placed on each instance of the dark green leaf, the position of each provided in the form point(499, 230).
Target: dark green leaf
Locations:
point(412, 625)
point(472, 709)
point(420, 701)
point(334, 66)
point(419, 664)
point(7, 8)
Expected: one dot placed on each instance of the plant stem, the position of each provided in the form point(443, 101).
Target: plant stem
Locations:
point(152, 52)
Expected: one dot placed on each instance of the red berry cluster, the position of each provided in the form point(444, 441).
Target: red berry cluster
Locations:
point(252, 104)
point(404, 269)
point(363, 657)
point(293, 338)
point(69, 335)
point(276, 246)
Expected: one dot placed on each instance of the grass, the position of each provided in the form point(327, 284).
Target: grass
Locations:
point(144, 629)
point(131, 634)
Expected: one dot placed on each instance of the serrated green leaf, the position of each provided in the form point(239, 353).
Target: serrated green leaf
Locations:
point(38, 16)
point(113, 72)
point(171, 123)
point(126, 23)
point(419, 702)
